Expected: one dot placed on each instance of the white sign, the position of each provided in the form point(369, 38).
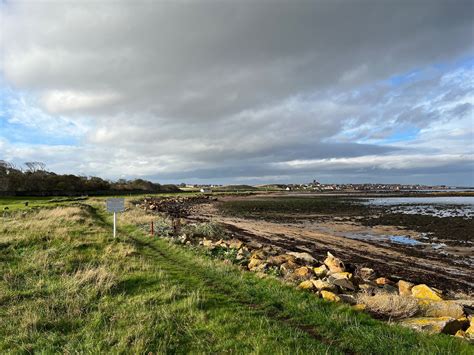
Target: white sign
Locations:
point(115, 205)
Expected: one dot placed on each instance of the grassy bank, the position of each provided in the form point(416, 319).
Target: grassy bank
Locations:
point(67, 286)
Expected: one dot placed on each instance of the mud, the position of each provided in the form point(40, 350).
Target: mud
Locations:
point(440, 256)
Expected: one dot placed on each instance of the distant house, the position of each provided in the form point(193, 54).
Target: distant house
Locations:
point(288, 188)
point(206, 190)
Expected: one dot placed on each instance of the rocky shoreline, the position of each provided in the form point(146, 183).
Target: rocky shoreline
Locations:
point(417, 306)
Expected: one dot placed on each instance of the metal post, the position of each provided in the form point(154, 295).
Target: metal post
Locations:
point(115, 224)
point(152, 230)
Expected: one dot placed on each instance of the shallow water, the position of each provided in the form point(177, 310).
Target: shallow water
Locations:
point(442, 206)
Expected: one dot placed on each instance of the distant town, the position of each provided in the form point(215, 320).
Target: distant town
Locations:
point(320, 187)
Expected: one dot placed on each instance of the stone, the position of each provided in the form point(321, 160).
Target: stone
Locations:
point(259, 254)
point(303, 272)
point(324, 285)
point(343, 282)
point(350, 299)
point(470, 330)
point(305, 257)
point(320, 271)
point(446, 325)
point(235, 244)
point(254, 262)
point(208, 243)
point(460, 334)
point(277, 260)
point(424, 292)
point(254, 245)
point(441, 309)
point(366, 273)
point(329, 296)
point(383, 281)
point(306, 285)
point(288, 267)
point(359, 307)
point(334, 264)
point(404, 288)
point(340, 276)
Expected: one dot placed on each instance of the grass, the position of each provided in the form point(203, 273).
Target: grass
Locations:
point(67, 286)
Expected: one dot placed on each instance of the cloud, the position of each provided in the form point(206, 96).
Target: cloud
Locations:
point(210, 90)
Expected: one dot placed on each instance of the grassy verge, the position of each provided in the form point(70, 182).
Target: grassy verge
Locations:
point(67, 286)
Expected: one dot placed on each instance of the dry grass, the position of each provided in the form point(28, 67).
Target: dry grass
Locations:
point(97, 278)
point(387, 305)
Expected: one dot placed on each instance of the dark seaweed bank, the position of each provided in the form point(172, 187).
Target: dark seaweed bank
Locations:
point(449, 230)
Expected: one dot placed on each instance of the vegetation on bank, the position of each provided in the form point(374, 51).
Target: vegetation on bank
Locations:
point(68, 286)
point(280, 207)
point(34, 180)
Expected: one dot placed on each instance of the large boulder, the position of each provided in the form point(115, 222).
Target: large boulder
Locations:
point(404, 288)
point(446, 325)
point(334, 264)
point(451, 309)
point(424, 292)
point(303, 257)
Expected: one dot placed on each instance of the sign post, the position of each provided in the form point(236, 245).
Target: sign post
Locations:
point(115, 205)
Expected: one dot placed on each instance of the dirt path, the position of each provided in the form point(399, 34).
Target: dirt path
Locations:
point(396, 262)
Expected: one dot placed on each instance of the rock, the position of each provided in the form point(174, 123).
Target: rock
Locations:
point(243, 253)
point(334, 264)
point(306, 285)
point(235, 244)
point(340, 276)
point(303, 272)
point(441, 309)
point(404, 288)
point(424, 292)
point(383, 281)
point(470, 330)
point(254, 262)
point(288, 267)
point(342, 279)
point(305, 257)
point(259, 254)
point(207, 243)
point(446, 325)
point(329, 296)
point(280, 259)
point(359, 307)
point(254, 245)
point(324, 285)
point(460, 334)
point(320, 271)
point(350, 299)
point(366, 273)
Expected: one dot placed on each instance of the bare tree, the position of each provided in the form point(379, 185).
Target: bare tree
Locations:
point(34, 166)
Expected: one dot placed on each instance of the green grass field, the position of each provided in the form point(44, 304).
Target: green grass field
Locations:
point(67, 286)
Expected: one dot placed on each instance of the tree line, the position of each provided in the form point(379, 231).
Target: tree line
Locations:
point(33, 179)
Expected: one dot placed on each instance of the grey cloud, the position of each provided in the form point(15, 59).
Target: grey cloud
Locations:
point(236, 86)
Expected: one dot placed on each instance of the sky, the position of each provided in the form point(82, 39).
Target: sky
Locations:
point(241, 91)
